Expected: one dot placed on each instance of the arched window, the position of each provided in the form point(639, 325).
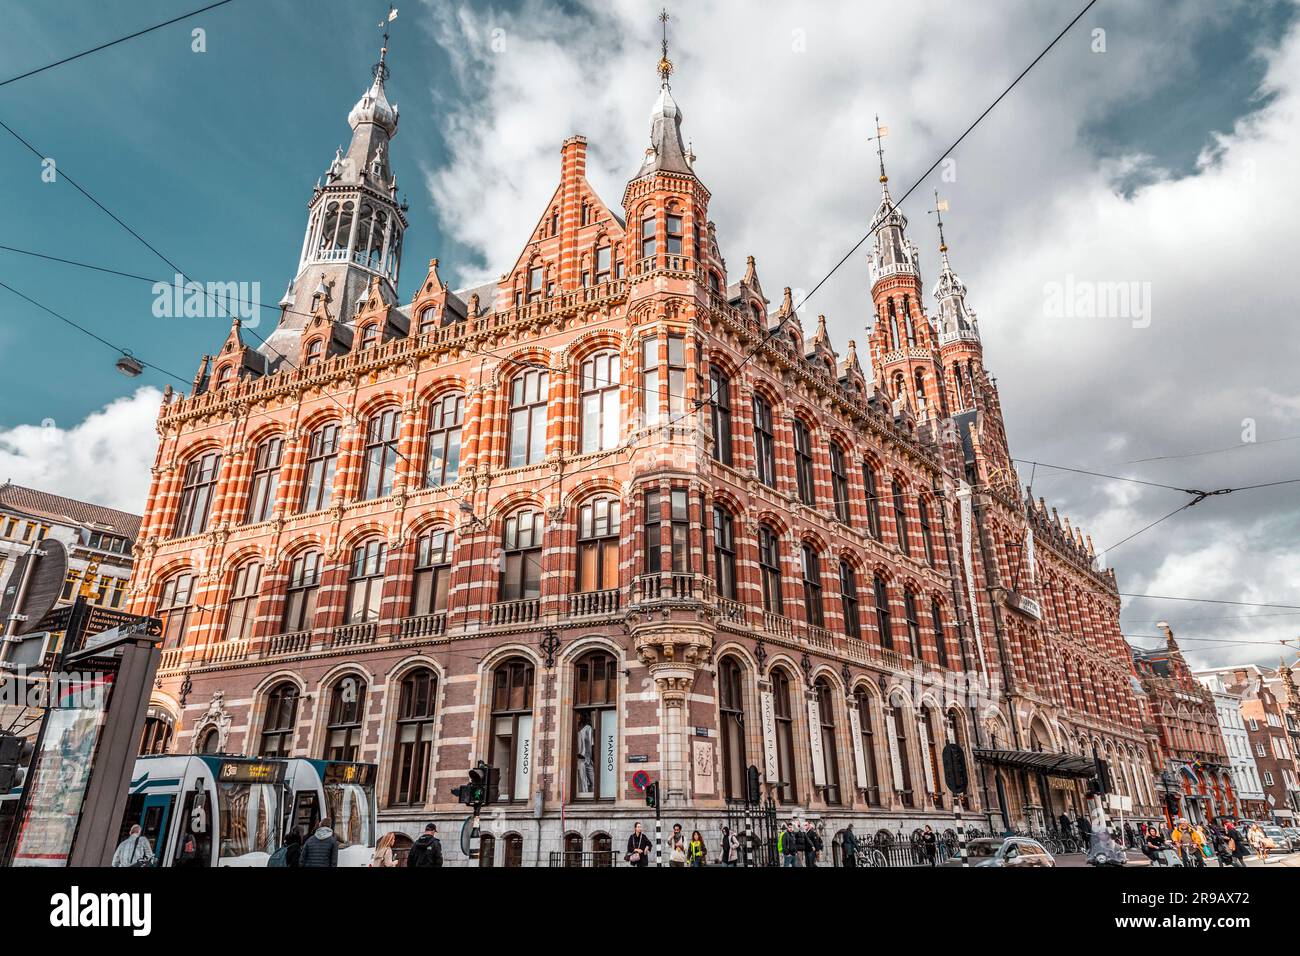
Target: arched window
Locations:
point(783, 707)
point(266, 481)
point(595, 727)
point(731, 712)
point(315, 348)
point(873, 500)
point(343, 723)
point(369, 336)
point(600, 402)
point(764, 441)
point(868, 742)
point(416, 703)
point(487, 850)
point(884, 623)
point(381, 453)
point(913, 622)
point(322, 460)
point(511, 746)
point(900, 517)
point(432, 575)
point(442, 463)
point(769, 569)
point(930, 751)
point(907, 319)
point(936, 622)
point(521, 570)
point(598, 540)
point(528, 397)
point(839, 483)
point(279, 721)
point(898, 752)
point(927, 536)
point(893, 325)
point(602, 850)
point(300, 598)
point(241, 613)
point(720, 402)
point(724, 553)
point(803, 463)
point(224, 376)
point(830, 752)
point(513, 851)
point(210, 742)
point(812, 585)
point(197, 489)
point(158, 730)
point(366, 581)
point(174, 607)
point(849, 600)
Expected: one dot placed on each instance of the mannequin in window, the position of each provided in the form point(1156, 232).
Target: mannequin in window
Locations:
point(586, 755)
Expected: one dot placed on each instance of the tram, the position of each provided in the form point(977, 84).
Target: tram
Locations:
point(340, 790)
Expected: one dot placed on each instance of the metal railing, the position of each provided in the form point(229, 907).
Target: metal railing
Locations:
point(584, 858)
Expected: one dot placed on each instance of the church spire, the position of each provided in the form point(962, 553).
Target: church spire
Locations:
point(956, 320)
point(667, 151)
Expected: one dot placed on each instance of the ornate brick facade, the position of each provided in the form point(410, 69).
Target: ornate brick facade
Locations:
point(619, 490)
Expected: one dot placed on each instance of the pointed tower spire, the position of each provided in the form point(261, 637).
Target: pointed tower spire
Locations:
point(667, 151)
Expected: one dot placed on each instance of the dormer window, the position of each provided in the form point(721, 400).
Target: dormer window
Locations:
point(223, 376)
point(369, 336)
point(715, 284)
point(314, 349)
point(428, 320)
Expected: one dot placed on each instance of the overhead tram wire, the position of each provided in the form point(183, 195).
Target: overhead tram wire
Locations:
point(110, 43)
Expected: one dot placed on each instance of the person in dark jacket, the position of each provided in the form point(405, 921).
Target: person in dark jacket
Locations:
point(321, 848)
point(788, 845)
point(1064, 822)
point(1085, 831)
point(812, 844)
point(638, 847)
point(292, 847)
point(426, 851)
point(850, 844)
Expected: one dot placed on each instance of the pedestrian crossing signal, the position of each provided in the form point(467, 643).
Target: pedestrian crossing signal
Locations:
point(652, 795)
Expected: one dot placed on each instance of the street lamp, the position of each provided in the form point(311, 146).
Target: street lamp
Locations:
point(129, 365)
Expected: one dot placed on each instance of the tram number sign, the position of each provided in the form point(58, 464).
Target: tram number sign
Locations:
point(641, 779)
point(250, 771)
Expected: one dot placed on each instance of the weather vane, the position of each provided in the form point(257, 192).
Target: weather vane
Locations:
point(381, 68)
point(665, 64)
point(940, 207)
point(881, 133)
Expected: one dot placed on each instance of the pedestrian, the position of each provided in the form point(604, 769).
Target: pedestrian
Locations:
point(1196, 841)
point(930, 843)
point(321, 848)
point(134, 850)
point(812, 844)
point(1064, 822)
point(638, 847)
point(787, 846)
point(1240, 848)
point(427, 850)
point(677, 847)
point(383, 855)
point(696, 852)
point(1130, 838)
point(1085, 832)
point(289, 851)
point(1155, 847)
point(729, 853)
point(850, 844)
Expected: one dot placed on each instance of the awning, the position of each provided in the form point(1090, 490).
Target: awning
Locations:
point(1039, 761)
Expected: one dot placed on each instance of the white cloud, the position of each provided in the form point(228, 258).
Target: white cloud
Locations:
point(104, 459)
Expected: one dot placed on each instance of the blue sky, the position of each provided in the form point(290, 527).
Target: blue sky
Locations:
point(1164, 158)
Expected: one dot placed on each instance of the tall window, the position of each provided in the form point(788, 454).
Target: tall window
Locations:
point(929, 740)
point(883, 623)
point(511, 747)
point(898, 719)
point(157, 736)
point(432, 578)
point(936, 621)
point(913, 625)
point(673, 512)
point(442, 465)
point(381, 453)
point(927, 536)
point(595, 727)
point(343, 724)
point(602, 264)
point(366, 581)
point(863, 702)
point(279, 721)
point(650, 381)
point(300, 601)
point(769, 569)
point(241, 614)
point(535, 277)
point(528, 395)
point(812, 585)
point(322, 460)
point(416, 704)
point(873, 500)
point(839, 483)
point(724, 553)
point(849, 600)
point(673, 229)
point(521, 571)
point(598, 540)
point(731, 709)
point(174, 607)
point(830, 754)
point(197, 489)
point(266, 481)
point(764, 442)
point(648, 235)
point(720, 401)
point(600, 402)
point(782, 706)
point(803, 462)
point(900, 517)
point(676, 377)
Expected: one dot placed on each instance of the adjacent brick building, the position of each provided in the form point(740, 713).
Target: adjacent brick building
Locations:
point(621, 510)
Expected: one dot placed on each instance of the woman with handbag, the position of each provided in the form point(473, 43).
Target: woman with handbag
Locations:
point(638, 848)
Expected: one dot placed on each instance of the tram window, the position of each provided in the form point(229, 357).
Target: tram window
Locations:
point(198, 821)
point(306, 812)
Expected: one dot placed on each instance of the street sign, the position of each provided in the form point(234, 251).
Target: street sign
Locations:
point(34, 586)
point(954, 769)
point(640, 779)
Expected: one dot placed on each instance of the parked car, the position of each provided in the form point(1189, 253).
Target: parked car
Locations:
point(1293, 834)
point(1004, 851)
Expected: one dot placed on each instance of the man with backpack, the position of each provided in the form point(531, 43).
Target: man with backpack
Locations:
point(427, 850)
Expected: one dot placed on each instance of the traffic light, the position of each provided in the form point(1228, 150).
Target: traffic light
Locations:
point(753, 790)
point(484, 787)
point(15, 755)
point(492, 784)
point(652, 795)
point(1102, 785)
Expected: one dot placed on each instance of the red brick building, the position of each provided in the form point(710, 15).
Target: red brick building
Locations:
point(621, 510)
